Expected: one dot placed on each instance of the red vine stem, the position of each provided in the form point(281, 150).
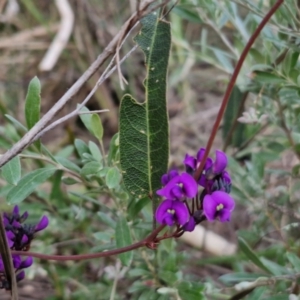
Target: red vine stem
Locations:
point(145, 242)
point(231, 85)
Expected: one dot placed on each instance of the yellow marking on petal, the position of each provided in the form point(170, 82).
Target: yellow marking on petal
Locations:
point(220, 207)
point(171, 211)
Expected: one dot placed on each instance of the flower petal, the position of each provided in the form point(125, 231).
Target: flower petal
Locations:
point(20, 276)
point(164, 179)
point(26, 263)
point(162, 209)
point(220, 162)
point(42, 224)
point(209, 207)
point(200, 154)
point(189, 185)
point(224, 215)
point(181, 212)
point(190, 161)
point(190, 225)
point(16, 210)
point(176, 191)
point(223, 198)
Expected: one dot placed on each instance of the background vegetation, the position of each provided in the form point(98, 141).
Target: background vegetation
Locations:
point(85, 200)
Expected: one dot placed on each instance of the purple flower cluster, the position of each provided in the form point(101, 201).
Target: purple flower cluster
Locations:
point(19, 237)
point(188, 202)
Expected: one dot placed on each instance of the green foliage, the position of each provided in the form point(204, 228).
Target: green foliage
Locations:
point(123, 238)
point(11, 171)
point(28, 184)
point(33, 104)
point(144, 130)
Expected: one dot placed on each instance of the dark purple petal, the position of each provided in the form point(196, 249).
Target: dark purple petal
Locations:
point(10, 235)
point(226, 177)
point(169, 219)
point(220, 162)
point(26, 263)
point(16, 210)
point(224, 215)
point(200, 154)
point(162, 210)
point(189, 185)
point(209, 161)
point(223, 198)
point(16, 261)
point(181, 212)
point(24, 239)
point(164, 179)
point(209, 207)
point(190, 161)
point(176, 192)
point(1, 265)
point(24, 216)
point(10, 243)
point(173, 173)
point(20, 276)
point(16, 224)
point(42, 224)
point(202, 180)
point(190, 225)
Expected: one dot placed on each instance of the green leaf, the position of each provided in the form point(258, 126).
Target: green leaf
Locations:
point(123, 238)
point(231, 114)
point(96, 126)
point(67, 164)
point(28, 184)
point(136, 206)
point(16, 123)
point(11, 171)
point(69, 180)
point(113, 149)
point(144, 133)
point(294, 260)
point(105, 218)
point(251, 255)
point(81, 147)
point(112, 178)
point(92, 122)
point(191, 290)
point(86, 118)
point(233, 278)
point(33, 105)
point(268, 78)
point(91, 168)
point(96, 153)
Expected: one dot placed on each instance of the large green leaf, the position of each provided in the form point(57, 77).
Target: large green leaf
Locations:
point(144, 132)
point(33, 104)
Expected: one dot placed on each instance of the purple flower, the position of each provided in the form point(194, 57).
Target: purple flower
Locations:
point(172, 212)
point(167, 177)
point(183, 185)
point(19, 236)
point(218, 205)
